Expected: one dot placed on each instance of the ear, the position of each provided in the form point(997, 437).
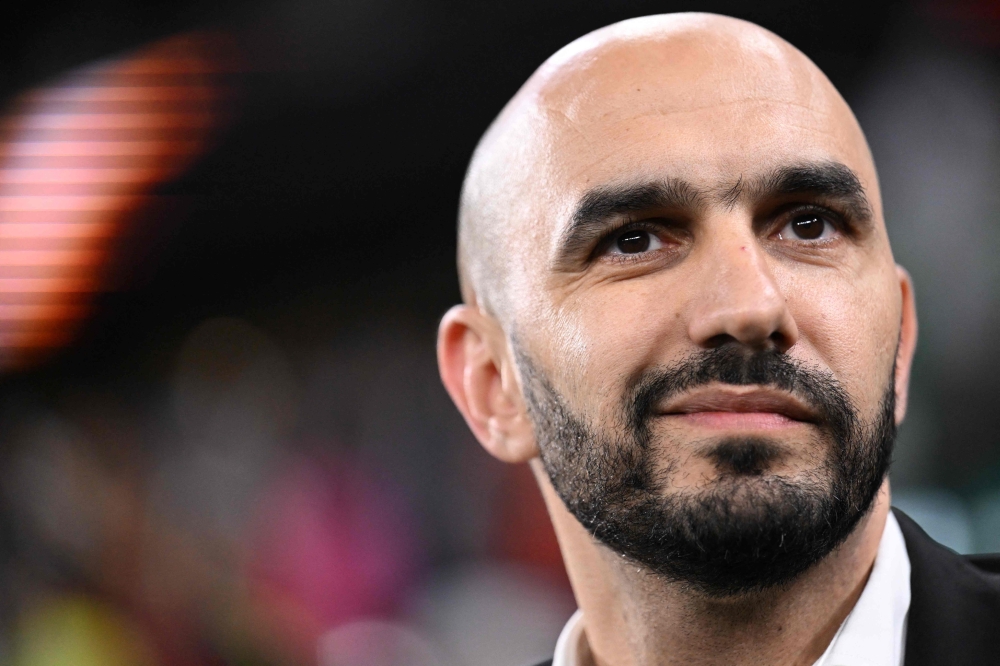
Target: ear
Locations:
point(907, 342)
point(478, 371)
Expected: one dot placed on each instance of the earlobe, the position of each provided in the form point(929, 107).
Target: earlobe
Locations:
point(907, 342)
point(478, 374)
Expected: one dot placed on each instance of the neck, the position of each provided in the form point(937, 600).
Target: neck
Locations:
point(635, 619)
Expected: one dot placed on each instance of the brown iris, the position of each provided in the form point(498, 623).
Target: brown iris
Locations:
point(808, 227)
point(633, 242)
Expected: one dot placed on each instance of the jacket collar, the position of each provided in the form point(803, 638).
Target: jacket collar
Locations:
point(954, 605)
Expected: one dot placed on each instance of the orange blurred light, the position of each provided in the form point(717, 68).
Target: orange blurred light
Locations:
point(78, 160)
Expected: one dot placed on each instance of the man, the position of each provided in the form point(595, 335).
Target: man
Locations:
point(681, 308)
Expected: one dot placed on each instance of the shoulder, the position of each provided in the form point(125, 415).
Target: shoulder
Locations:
point(988, 563)
point(954, 602)
point(931, 563)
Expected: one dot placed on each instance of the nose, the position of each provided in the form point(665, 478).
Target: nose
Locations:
point(739, 299)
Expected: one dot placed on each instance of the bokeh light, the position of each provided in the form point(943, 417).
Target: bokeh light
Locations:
point(78, 159)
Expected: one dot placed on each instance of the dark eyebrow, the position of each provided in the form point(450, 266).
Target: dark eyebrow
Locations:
point(599, 206)
point(829, 179)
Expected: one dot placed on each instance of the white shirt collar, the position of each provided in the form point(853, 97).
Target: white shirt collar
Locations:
point(873, 634)
point(572, 641)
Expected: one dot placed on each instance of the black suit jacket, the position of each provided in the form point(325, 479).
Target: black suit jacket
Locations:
point(954, 615)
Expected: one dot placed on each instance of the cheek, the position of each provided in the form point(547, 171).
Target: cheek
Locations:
point(602, 341)
point(850, 324)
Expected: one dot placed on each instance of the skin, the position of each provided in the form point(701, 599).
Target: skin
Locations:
point(718, 103)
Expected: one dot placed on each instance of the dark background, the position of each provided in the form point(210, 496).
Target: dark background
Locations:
point(318, 234)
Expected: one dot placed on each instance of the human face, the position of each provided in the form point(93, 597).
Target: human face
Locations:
point(685, 208)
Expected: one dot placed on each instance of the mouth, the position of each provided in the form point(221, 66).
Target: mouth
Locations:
point(739, 408)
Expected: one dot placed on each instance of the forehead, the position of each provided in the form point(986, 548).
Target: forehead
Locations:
point(708, 108)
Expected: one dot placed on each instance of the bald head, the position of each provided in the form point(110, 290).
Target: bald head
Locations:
point(691, 97)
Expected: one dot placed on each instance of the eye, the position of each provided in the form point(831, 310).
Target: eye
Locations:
point(809, 227)
point(635, 241)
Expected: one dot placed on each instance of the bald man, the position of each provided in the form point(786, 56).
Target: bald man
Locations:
point(682, 310)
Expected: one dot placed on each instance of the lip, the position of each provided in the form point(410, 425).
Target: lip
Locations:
point(734, 400)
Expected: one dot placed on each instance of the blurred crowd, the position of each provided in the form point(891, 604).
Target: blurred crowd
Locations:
point(257, 508)
point(222, 255)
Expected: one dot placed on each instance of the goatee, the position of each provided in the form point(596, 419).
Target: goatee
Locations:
point(749, 529)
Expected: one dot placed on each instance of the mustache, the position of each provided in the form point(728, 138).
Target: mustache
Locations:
point(735, 365)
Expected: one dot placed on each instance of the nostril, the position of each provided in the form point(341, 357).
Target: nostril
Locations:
point(719, 340)
point(781, 341)
point(758, 323)
point(777, 341)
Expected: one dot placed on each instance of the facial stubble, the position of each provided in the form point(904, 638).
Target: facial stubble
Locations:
point(749, 529)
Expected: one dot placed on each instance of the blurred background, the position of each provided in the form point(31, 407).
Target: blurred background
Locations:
point(227, 233)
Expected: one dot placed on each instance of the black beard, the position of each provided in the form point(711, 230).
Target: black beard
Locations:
point(748, 531)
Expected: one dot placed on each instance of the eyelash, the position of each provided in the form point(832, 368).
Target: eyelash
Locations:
point(608, 238)
point(839, 221)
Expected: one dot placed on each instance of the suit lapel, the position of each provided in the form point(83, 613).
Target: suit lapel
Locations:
point(954, 613)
